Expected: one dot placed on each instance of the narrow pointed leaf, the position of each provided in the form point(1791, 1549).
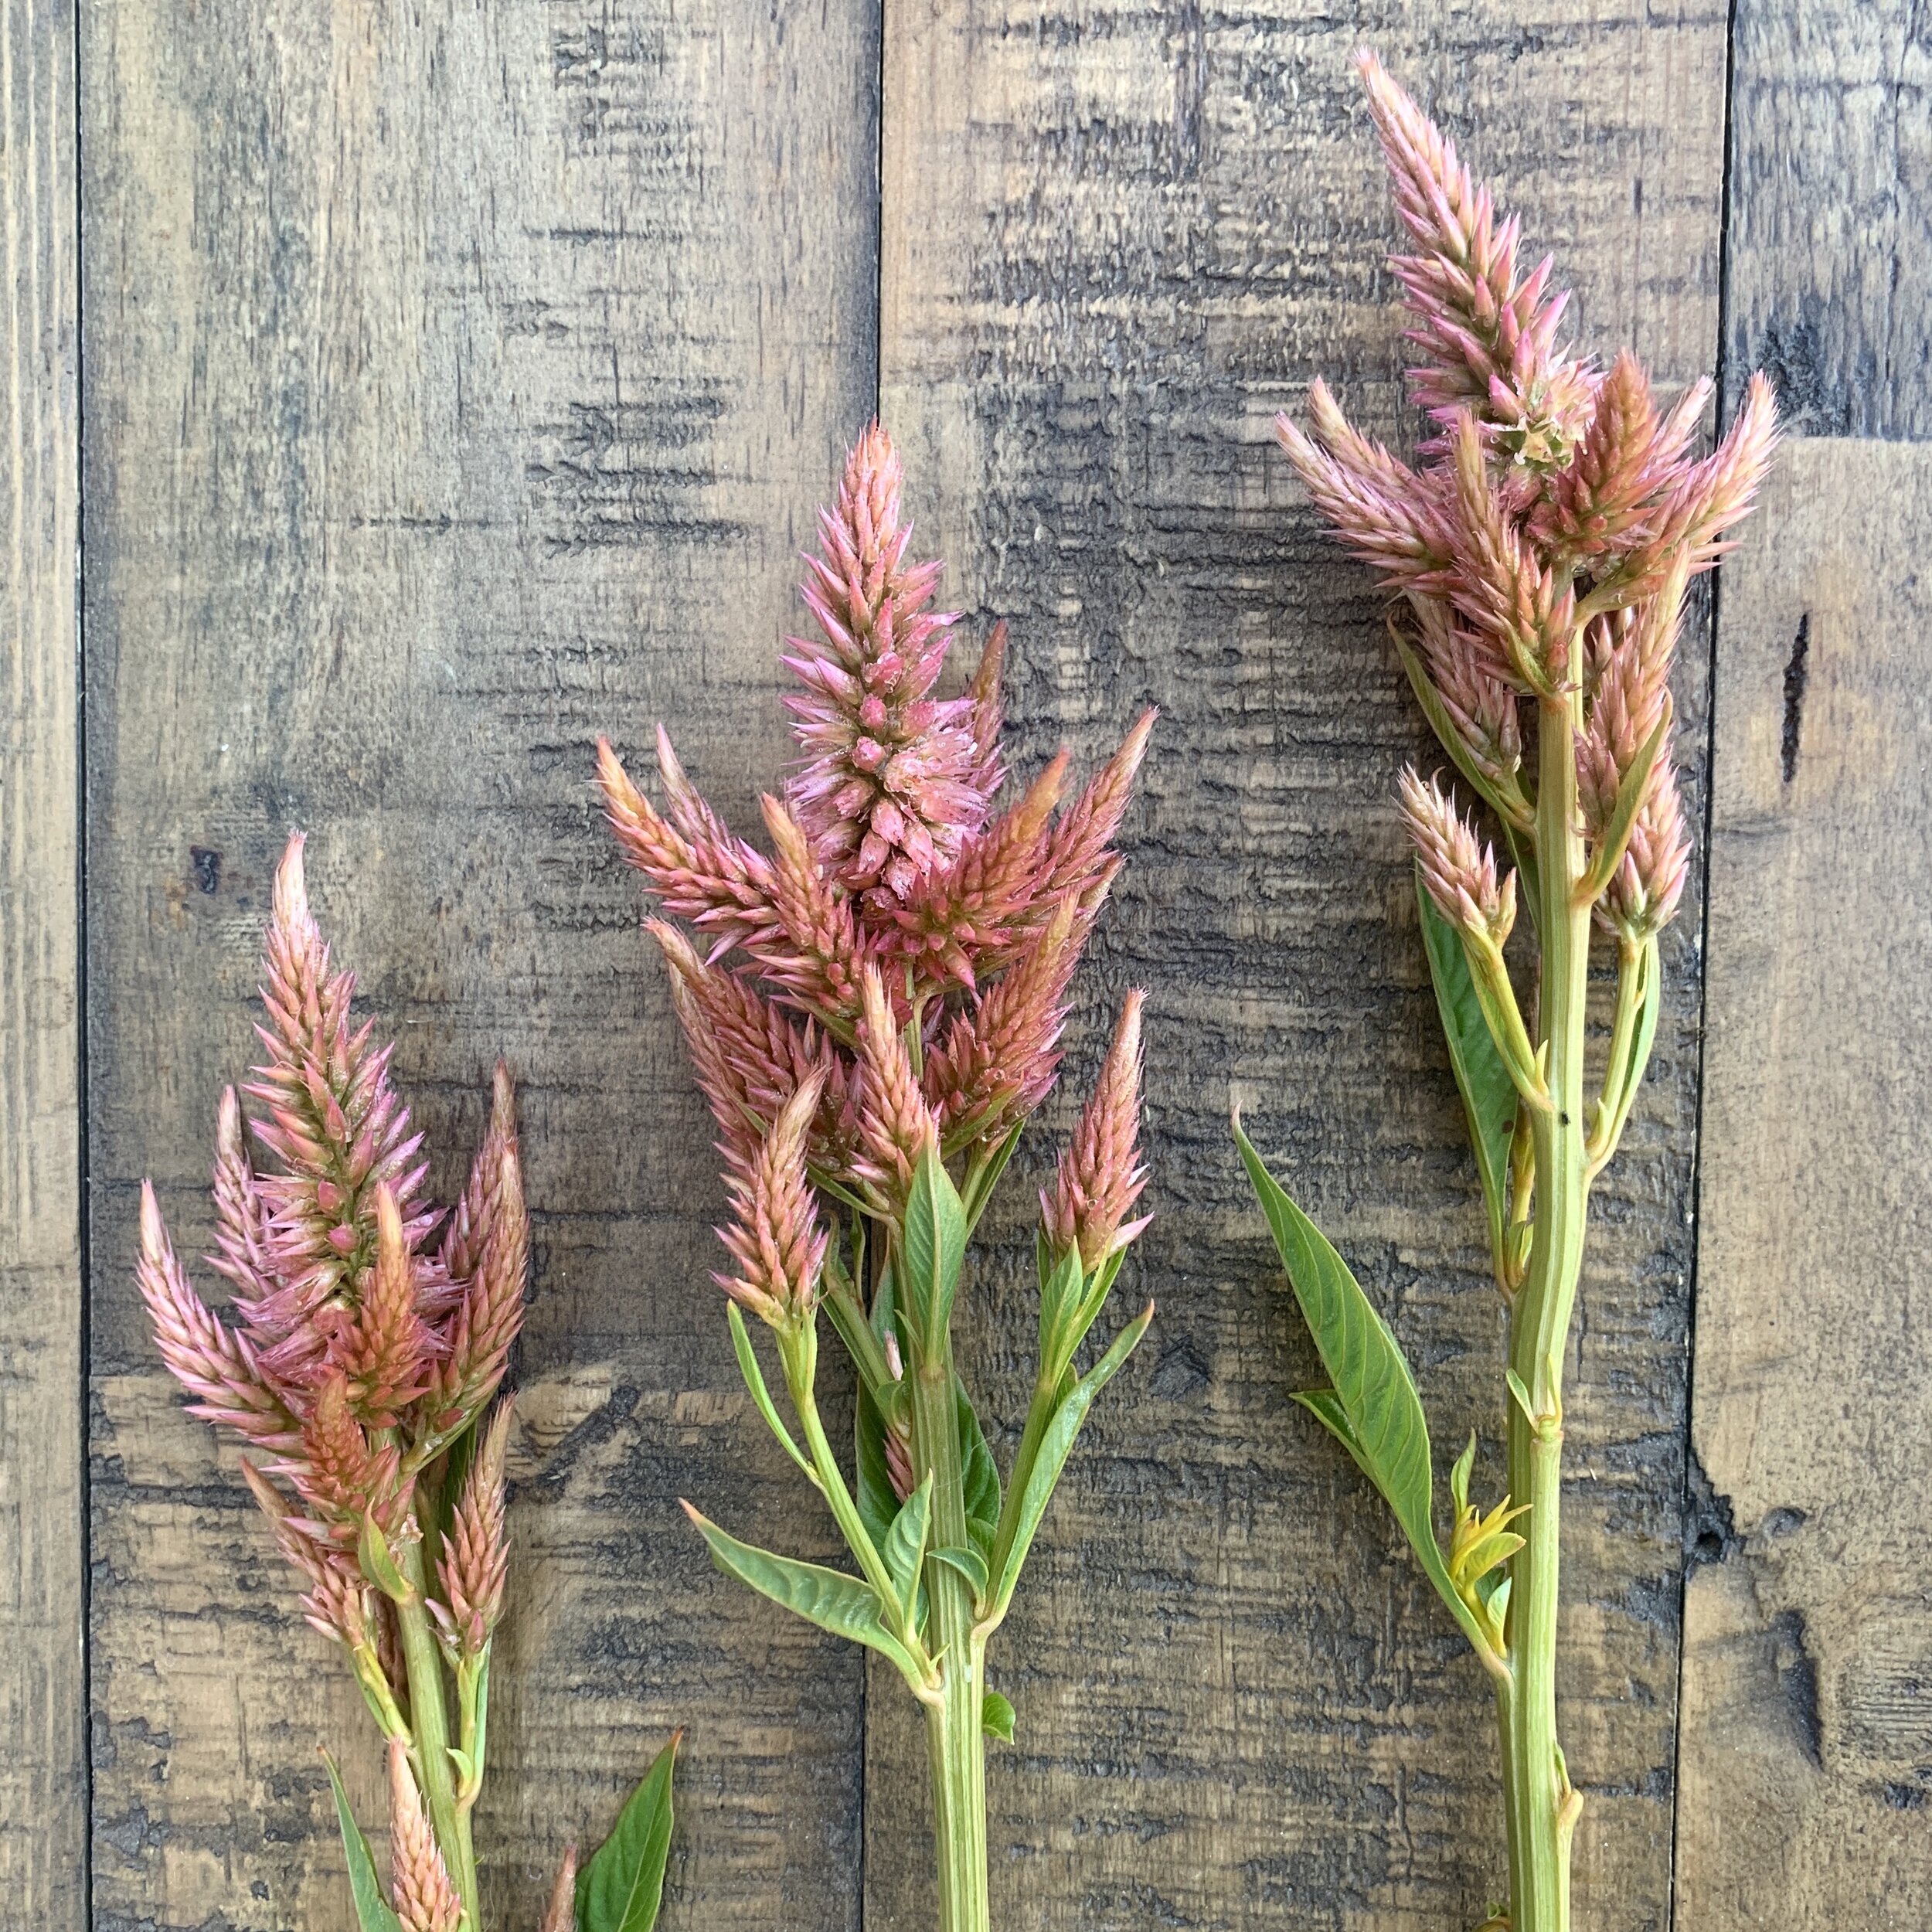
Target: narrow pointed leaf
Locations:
point(904, 1549)
point(932, 1251)
point(1520, 1394)
point(379, 1563)
point(969, 1564)
point(620, 1889)
point(982, 1190)
point(1373, 1389)
point(878, 1504)
point(1489, 1093)
point(755, 1382)
point(1055, 1446)
point(373, 1913)
point(979, 1473)
point(996, 1717)
point(846, 1606)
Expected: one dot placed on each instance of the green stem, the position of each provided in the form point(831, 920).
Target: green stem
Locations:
point(956, 1743)
point(428, 1715)
point(1542, 1805)
point(799, 1347)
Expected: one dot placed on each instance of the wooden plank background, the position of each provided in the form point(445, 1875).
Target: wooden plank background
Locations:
point(429, 387)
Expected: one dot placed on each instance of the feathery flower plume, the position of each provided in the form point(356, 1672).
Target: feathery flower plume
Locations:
point(476, 1553)
point(362, 1369)
point(885, 994)
point(1538, 555)
point(1459, 870)
point(776, 1239)
point(426, 1901)
point(893, 782)
point(1100, 1176)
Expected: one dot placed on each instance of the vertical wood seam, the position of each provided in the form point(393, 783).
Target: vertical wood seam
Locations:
point(1687, 1504)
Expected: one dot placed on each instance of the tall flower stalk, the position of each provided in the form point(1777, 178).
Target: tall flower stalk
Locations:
point(1538, 557)
point(876, 1011)
point(363, 1376)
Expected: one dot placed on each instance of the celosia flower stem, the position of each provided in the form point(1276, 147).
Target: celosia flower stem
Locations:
point(955, 1734)
point(1543, 1805)
point(429, 1709)
point(799, 1346)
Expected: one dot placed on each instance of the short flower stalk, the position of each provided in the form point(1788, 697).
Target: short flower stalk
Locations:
point(877, 1013)
point(364, 1377)
point(1538, 558)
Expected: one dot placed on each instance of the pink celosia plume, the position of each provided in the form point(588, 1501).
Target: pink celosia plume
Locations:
point(1100, 1176)
point(906, 949)
point(776, 1239)
point(1459, 870)
point(1545, 545)
point(362, 1347)
point(425, 1899)
point(894, 782)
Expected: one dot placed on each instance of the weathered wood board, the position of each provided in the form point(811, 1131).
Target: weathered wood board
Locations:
point(459, 382)
point(1807, 1742)
point(1115, 241)
point(43, 1812)
point(1806, 1753)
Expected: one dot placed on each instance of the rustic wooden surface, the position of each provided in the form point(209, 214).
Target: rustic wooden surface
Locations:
point(459, 383)
point(443, 409)
point(1806, 1757)
point(1112, 251)
point(43, 1811)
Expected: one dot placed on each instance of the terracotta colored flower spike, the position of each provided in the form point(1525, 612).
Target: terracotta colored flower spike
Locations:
point(362, 1374)
point(879, 1013)
point(1538, 558)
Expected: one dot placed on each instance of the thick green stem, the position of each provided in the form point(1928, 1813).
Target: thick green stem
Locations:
point(1542, 1805)
point(955, 1740)
point(429, 1717)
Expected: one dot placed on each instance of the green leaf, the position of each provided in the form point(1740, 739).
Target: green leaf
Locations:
point(620, 1889)
point(1061, 1281)
point(1459, 1475)
point(755, 1382)
point(979, 1473)
point(846, 1606)
point(1374, 1397)
point(969, 1564)
point(372, 1912)
point(996, 1717)
point(1521, 1395)
point(987, 1178)
point(878, 1502)
point(932, 1250)
point(379, 1563)
point(904, 1550)
point(1646, 1034)
point(1055, 1446)
point(1488, 1094)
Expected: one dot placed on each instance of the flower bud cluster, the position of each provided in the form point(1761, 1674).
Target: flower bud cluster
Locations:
point(1544, 546)
point(904, 952)
point(365, 1345)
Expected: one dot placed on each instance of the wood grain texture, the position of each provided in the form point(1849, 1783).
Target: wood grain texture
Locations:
point(1831, 219)
point(1115, 241)
point(1807, 1755)
point(43, 1791)
point(462, 381)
